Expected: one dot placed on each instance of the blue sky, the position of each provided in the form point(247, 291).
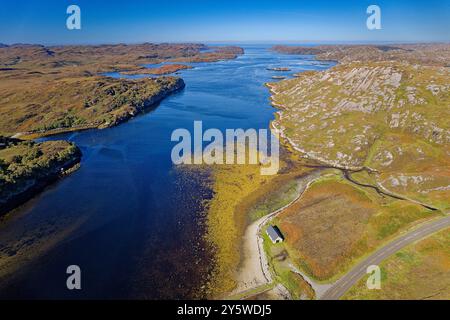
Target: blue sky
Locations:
point(227, 21)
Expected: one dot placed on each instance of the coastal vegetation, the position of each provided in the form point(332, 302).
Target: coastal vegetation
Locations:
point(80, 103)
point(281, 267)
point(232, 185)
point(26, 167)
point(242, 195)
point(274, 199)
point(421, 271)
point(378, 117)
point(374, 120)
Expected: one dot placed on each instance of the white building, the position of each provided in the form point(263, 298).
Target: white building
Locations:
point(275, 234)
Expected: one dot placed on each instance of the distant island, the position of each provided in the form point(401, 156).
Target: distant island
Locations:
point(279, 69)
point(162, 70)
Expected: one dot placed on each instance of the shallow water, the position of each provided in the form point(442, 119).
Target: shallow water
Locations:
point(128, 218)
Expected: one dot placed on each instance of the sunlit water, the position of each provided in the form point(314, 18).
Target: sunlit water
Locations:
point(128, 218)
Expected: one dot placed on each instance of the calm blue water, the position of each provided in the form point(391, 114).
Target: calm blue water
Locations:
point(129, 219)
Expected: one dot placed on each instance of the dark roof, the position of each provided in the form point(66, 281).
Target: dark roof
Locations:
point(274, 233)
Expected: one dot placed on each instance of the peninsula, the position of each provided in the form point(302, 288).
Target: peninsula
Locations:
point(48, 90)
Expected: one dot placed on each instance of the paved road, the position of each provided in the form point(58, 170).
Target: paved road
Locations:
point(341, 286)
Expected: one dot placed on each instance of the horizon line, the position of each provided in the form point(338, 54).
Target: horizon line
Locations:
point(252, 42)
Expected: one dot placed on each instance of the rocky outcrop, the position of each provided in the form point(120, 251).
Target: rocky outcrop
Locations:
point(436, 54)
point(389, 116)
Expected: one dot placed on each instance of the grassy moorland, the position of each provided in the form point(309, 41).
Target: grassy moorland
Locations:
point(79, 103)
point(376, 115)
point(47, 90)
point(380, 114)
point(434, 54)
point(336, 222)
point(50, 90)
point(420, 271)
point(26, 167)
point(386, 116)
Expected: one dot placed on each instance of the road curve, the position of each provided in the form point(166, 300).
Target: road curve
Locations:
point(340, 287)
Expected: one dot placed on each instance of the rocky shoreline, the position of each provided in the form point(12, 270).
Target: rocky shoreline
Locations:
point(55, 160)
point(12, 196)
point(178, 85)
point(138, 108)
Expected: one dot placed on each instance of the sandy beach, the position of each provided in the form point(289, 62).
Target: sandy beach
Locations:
point(254, 270)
